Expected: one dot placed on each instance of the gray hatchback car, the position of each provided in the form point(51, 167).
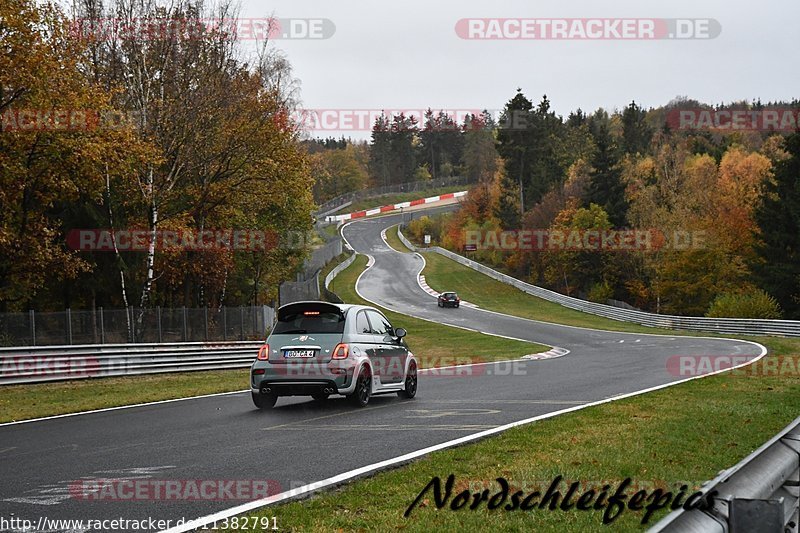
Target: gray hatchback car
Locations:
point(318, 349)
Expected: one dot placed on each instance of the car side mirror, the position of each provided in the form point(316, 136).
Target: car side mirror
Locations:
point(400, 333)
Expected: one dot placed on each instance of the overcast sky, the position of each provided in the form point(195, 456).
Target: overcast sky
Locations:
point(408, 54)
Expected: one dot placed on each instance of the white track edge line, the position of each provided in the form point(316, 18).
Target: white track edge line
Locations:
point(375, 467)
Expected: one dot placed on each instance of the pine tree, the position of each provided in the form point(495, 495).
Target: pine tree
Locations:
point(514, 146)
point(606, 188)
point(778, 218)
point(380, 151)
point(636, 134)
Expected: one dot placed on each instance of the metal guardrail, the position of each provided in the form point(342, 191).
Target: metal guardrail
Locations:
point(338, 269)
point(759, 494)
point(58, 363)
point(744, 326)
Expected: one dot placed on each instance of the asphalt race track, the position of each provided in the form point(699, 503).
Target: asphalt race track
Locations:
point(225, 438)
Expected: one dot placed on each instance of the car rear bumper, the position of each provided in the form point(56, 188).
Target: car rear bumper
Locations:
point(303, 379)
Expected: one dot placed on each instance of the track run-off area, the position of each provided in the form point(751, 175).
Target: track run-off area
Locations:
point(301, 446)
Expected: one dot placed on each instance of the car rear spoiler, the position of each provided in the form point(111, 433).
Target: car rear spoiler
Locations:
point(302, 307)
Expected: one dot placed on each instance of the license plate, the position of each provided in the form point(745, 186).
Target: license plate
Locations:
point(295, 354)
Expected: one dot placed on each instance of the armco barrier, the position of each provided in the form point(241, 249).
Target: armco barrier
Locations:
point(338, 269)
point(57, 363)
point(758, 494)
point(744, 326)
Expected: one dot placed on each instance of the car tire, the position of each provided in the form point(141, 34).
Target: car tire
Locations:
point(439, 304)
point(363, 390)
point(264, 401)
point(410, 389)
point(457, 305)
point(320, 396)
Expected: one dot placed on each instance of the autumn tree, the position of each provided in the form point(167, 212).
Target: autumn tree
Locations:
point(777, 268)
point(56, 146)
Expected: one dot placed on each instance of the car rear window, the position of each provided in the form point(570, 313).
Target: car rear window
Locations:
point(309, 319)
point(303, 323)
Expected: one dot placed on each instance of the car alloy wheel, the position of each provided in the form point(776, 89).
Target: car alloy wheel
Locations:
point(410, 389)
point(361, 394)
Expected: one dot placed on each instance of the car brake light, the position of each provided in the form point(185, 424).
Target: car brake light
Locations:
point(341, 351)
point(263, 353)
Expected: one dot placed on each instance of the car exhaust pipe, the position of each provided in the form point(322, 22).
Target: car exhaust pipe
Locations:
point(266, 390)
point(327, 390)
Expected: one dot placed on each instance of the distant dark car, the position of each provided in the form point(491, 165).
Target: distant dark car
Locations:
point(449, 299)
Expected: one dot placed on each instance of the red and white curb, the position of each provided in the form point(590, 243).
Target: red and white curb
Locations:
point(394, 207)
point(549, 354)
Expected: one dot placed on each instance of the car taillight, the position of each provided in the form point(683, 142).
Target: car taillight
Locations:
point(263, 353)
point(341, 351)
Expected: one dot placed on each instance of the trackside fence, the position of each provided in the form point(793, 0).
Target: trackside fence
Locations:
point(744, 326)
point(134, 325)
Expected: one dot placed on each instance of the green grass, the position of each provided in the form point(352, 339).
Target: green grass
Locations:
point(685, 433)
point(387, 199)
point(331, 229)
point(394, 241)
point(442, 273)
point(433, 343)
point(20, 402)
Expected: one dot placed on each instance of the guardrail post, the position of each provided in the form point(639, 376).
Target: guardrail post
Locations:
point(32, 315)
point(158, 319)
point(102, 327)
point(185, 325)
point(69, 326)
point(241, 322)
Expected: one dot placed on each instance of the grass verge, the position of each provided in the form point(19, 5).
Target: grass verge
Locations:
point(21, 402)
point(394, 241)
point(683, 434)
point(442, 273)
